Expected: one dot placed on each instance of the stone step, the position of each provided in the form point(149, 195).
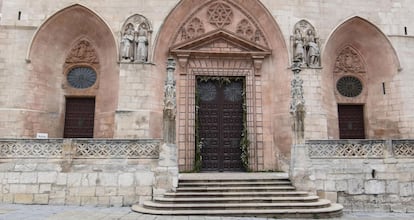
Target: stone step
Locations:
point(236, 189)
point(233, 176)
point(334, 210)
point(237, 194)
point(231, 206)
point(246, 199)
point(233, 183)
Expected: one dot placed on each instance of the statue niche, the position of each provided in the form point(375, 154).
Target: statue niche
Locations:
point(135, 40)
point(305, 45)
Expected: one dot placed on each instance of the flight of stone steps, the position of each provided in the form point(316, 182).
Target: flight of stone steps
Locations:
point(239, 194)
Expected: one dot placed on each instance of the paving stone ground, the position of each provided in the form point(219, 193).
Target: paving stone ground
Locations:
point(47, 212)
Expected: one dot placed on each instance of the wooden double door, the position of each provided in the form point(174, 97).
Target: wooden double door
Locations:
point(220, 123)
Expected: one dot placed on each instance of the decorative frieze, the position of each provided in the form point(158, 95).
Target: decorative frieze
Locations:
point(85, 148)
point(403, 148)
point(31, 149)
point(116, 149)
point(346, 149)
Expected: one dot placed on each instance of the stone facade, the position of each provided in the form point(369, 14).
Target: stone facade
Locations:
point(127, 44)
point(79, 172)
point(369, 175)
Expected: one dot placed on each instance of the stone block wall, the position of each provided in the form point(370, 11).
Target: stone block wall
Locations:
point(78, 172)
point(361, 175)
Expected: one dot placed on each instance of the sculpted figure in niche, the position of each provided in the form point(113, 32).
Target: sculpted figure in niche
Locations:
point(127, 49)
point(299, 52)
point(142, 43)
point(312, 49)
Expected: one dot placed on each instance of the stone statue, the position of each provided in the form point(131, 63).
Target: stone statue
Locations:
point(298, 46)
point(142, 44)
point(127, 50)
point(313, 52)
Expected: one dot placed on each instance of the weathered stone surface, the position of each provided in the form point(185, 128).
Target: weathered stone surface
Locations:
point(28, 177)
point(23, 198)
point(116, 201)
point(108, 179)
point(46, 177)
point(406, 189)
point(355, 186)
point(374, 187)
point(126, 179)
point(41, 199)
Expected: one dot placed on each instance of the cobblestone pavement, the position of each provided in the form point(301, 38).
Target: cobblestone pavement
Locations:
point(42, 212)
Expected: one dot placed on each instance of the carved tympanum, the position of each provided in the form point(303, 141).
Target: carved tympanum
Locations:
point(82, 52)
point(349, 61)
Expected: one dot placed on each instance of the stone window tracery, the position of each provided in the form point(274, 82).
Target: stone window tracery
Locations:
point(349, 86)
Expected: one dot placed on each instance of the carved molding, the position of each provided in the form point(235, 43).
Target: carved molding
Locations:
point(82, 52)
point(349, 61)
point(223, 44)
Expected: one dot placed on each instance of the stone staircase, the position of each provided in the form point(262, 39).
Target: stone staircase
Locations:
point(239, 194)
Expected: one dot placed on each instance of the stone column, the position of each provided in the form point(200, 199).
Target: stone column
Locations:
point(297, 105)
point(300, 173)
point(166, 174)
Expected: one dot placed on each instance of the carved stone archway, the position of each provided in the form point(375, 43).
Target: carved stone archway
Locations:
point(223, 54)
point(226, 38)
point(219, 39)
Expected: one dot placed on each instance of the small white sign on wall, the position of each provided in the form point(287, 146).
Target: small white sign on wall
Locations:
point(42, 136)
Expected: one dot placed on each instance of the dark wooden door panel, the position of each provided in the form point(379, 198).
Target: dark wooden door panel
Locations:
point(351, 121)
point(220, 117)
point(79, 118)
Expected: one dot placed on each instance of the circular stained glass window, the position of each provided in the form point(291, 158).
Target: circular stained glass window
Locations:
point(349, 86)
point(81, 77)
